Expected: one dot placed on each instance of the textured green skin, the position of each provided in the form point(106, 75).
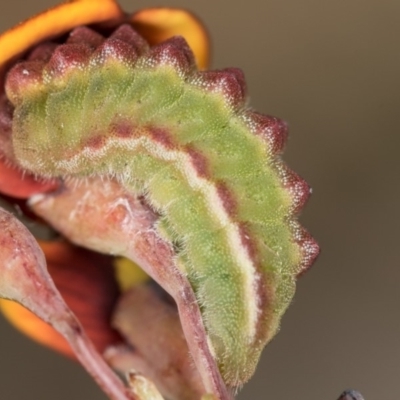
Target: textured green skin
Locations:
point(53, 121)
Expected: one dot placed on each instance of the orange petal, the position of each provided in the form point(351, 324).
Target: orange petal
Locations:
point(53, 22)
point(86, 281)
point(32, 326)
point(159, 24)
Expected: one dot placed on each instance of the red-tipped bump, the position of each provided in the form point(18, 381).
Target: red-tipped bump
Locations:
point(309, 248)
point(127, 34)
point(68, 57)
point(22, 77)
point(271, 129)
point(229, 82)
point(85, 35)
point(43, 52)
point(115, 49)
point(298, 188)
point(175, 52)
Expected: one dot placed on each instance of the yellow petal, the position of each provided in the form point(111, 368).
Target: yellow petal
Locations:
point(159, 24)
point(128, 274)
point(53, 22)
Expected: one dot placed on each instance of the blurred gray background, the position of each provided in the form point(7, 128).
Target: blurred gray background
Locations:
point(331, 69)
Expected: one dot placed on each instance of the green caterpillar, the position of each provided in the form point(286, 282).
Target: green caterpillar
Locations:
point(187, 142)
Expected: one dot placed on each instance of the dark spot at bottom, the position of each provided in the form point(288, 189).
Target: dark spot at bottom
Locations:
point(351, 395)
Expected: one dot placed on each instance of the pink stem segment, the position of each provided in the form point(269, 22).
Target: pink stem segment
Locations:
point(24, 279)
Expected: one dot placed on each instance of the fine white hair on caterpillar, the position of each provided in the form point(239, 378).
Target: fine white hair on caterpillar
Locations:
point(210, 167)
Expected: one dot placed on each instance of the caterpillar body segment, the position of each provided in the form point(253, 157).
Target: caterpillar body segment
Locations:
point(186, 141)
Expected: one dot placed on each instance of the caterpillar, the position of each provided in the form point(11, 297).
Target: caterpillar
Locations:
point(188, 143)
